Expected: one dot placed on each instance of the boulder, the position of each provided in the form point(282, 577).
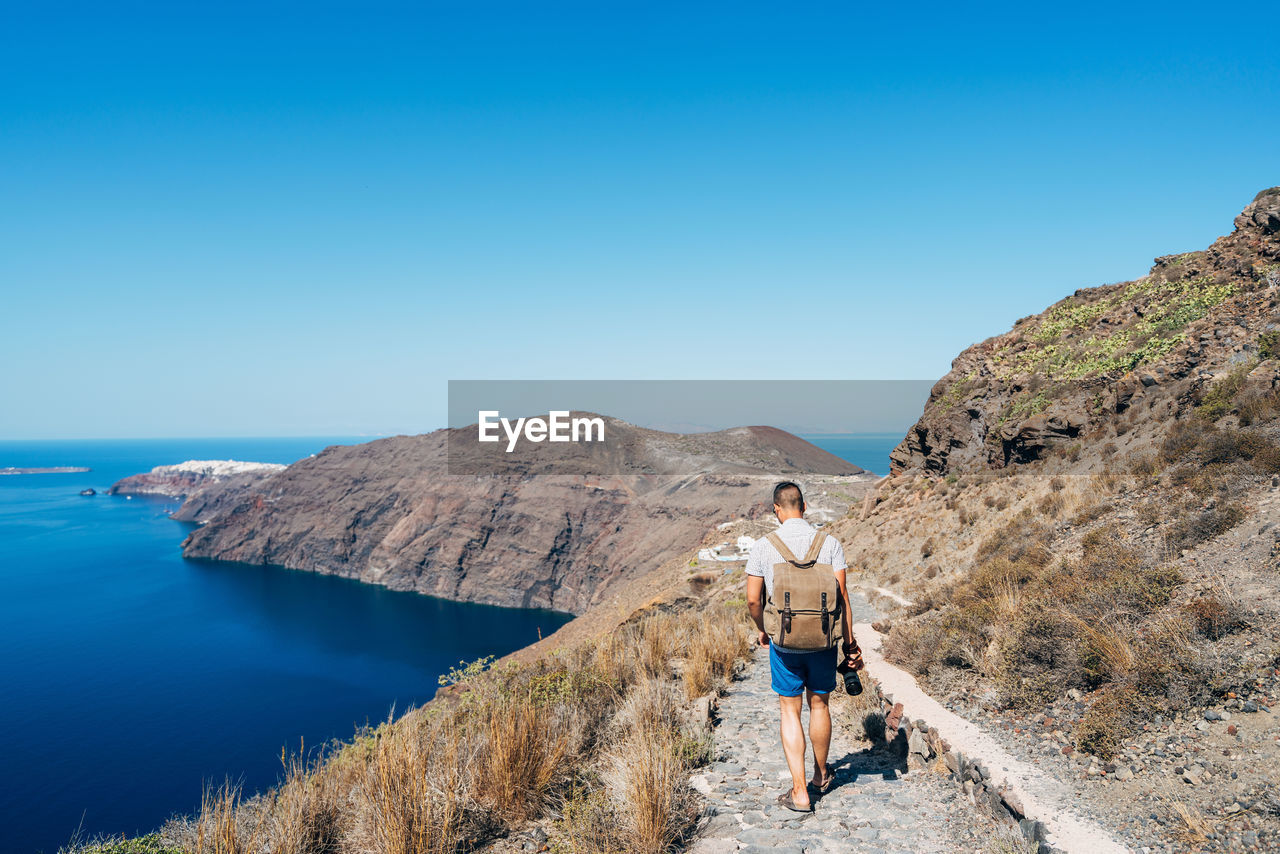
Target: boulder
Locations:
point(1026, 441)
point(1262, 213)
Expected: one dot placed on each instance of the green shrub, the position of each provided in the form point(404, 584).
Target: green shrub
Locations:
point(1219, 399)
point(1269, 344)
point(149, 844)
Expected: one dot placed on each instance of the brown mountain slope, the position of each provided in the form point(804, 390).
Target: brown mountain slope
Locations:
point(1142, 350)
point(1084, 523)
point(388, 512)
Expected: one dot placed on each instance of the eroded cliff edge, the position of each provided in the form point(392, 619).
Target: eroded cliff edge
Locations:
point(388, 512)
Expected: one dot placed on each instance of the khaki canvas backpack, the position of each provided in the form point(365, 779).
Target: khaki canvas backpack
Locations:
point(805, 609)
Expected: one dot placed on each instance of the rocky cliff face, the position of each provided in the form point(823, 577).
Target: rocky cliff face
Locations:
point(1137, 351)
point(208, 486)
point(388, 512)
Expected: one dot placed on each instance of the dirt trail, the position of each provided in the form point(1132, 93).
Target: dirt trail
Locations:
point(1042, 796)
point(875, 806)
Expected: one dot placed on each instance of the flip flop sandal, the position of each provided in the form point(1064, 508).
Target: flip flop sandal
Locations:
point(831, 779)
point(786, 801)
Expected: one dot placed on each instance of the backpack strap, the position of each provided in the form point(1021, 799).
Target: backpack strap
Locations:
point(810, 557)
point(786, 553)
point(815, 548)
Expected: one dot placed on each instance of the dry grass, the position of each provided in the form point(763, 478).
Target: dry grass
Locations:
point(600, 732)
point(647, 772)
point(413, 792)
point(716, 643)
point(223, 827)
point(1036, 624)
point(303, 812)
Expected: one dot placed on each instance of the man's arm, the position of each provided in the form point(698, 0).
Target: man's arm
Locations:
point(755, 606)
point(853, 655)
point(846, 618)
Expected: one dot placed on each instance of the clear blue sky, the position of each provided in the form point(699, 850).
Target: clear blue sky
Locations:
point(269, 219)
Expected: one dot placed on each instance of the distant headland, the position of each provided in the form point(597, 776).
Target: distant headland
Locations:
point(44, 469)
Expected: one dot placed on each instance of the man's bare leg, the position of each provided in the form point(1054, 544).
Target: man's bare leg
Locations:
point(793, 746)
point(820, 735)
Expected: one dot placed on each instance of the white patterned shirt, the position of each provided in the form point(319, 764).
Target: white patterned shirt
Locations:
point(798, 535)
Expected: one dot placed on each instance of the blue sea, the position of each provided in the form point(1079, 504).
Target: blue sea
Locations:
point(868, 450)
point(132, 676)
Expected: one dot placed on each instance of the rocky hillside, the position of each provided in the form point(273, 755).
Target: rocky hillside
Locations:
point(389, 512)
point(1132, 353)
point(1079, 543)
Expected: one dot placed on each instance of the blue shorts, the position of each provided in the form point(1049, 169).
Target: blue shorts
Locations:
point(793, 672)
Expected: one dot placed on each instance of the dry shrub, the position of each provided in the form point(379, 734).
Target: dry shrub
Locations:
point(525, 745)
point(1169, 669)
point(1024, 537)
point(497, 751)
point(928, 548)
point(1107, 720)
point(647, 776)
point(304, 817)
point(658, 639)
point(1198, 527)
point(1052, 505)
point(642, 801)
point(588, 824)
point(1038, 655)
point(1214, 615)
point(1182, 439)
point(613, 658)
point(1151, 512)
point(1227, 446)
point(1106, 654)
point(1258, 408)
point(1218, 400)
point(414, 795)
point(1057, 484)
point(1145, 466)
point(951, 639)
point(717, 640)
point(1091, 513)
point(224, 827)
point(1108, 481)
point(1037, 627)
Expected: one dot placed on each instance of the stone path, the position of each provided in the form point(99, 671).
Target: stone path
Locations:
point(875, 807)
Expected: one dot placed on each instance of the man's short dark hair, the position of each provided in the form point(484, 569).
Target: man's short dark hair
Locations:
point(787, 495)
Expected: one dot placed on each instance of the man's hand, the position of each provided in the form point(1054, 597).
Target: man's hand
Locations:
point(853, 655)
point(763, 639)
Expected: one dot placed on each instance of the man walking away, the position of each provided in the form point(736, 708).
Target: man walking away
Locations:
point(807, 617)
